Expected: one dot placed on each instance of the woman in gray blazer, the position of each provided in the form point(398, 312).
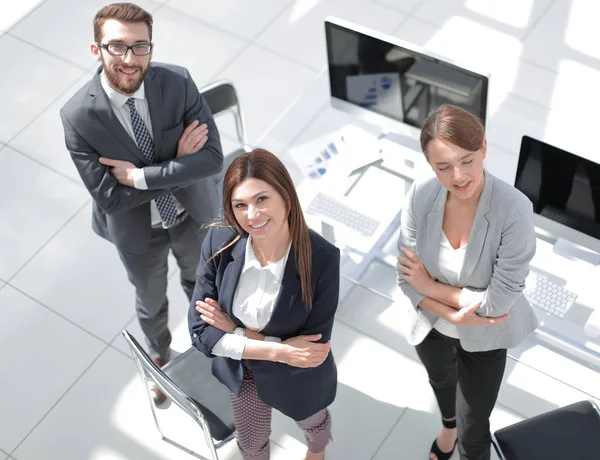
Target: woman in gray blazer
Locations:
point(466, 241)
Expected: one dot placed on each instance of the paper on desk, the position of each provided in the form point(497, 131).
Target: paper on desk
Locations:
point(334, 156)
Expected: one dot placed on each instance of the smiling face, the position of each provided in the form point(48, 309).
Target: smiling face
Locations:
point(125, 73)
point(259, 209)
point(458, 170)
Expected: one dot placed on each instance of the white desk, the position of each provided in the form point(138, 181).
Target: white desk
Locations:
point(545, 351)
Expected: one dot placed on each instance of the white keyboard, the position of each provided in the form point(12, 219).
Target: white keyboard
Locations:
point(547, 295)
point(323, 205)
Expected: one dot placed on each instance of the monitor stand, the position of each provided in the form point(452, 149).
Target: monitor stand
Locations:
point(569, 250)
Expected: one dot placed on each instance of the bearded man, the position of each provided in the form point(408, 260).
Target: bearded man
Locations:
point(145, 144)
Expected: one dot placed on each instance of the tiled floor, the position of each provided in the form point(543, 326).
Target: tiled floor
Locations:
point(68, 388)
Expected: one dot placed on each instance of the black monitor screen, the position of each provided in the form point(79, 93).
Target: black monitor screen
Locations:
point(562, 186)
point(395, 81)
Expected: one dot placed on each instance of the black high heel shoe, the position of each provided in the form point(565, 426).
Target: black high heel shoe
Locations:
point(435, 449)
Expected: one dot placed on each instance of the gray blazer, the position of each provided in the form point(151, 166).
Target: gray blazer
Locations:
point(121, 214)
point(501, 245)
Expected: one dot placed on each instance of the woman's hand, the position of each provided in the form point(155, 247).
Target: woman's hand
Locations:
point(414, 273)
point(211, 313)
point(302, 351)
point(468, 317)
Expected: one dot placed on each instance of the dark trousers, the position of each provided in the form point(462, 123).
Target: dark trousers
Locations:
point(466, 385)
point(148, 273)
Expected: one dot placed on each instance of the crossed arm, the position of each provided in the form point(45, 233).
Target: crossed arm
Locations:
point(466, 306)
point(209, 323)
point(111, 182)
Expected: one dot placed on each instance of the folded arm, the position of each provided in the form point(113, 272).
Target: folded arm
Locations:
point(517, 248)
point(107, 192)
point(187, 169)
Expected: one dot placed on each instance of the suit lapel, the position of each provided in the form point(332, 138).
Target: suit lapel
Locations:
point(104, 111)
point(231, 276)
point(433, 235)
point(290, 288)
point(154, 97)
point(478, 233)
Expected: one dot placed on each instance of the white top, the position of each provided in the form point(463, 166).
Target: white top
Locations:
point(254, 301)
point(451, 261)
point(121, 111)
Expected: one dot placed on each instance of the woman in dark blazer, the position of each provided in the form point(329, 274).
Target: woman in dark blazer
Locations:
point(263, 307)
point(466, 241)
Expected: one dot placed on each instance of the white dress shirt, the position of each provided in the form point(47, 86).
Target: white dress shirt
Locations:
point(451, 261)
point(254, 301)
point(121, 111)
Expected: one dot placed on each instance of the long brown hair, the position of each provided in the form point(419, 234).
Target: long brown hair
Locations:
point(455, 125)
point(263, 165)
point(124, 12)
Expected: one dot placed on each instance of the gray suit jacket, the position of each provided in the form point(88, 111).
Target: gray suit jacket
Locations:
point(122, 214)
point(501, 245)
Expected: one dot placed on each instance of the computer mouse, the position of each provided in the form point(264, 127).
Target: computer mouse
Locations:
point(592, 325)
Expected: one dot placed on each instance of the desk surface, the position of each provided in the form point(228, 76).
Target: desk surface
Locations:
point(544, 351)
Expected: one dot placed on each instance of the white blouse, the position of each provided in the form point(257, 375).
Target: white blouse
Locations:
point(451, 261)
point(254, 301)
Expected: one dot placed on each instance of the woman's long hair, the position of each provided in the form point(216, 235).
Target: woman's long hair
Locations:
point(263, 165)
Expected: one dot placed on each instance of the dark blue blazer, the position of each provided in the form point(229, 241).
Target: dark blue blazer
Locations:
point(296, 392)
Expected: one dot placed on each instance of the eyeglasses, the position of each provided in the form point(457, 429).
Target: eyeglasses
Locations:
point(117, 49)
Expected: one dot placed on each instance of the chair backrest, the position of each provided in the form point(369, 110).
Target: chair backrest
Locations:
point(149, 370)
point(568, 432)
point(221, 96)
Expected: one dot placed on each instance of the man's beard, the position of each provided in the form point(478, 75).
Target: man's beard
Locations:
point(120, 82)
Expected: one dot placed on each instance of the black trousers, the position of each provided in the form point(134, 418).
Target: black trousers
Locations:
point(466, 385)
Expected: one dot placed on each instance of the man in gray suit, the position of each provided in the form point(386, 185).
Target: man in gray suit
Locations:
point(145, 144)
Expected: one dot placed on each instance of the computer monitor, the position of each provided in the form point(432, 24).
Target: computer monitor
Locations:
point(564, 189)
point(392, 83)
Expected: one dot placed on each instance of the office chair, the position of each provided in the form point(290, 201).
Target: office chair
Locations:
point(571, 432)
point(188, 382)
point(221, 97)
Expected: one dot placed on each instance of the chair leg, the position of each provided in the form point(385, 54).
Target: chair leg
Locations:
point(209, 440)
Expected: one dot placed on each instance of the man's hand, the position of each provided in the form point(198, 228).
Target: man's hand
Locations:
point(122, 170)
point(192, 139)
point(412, 270)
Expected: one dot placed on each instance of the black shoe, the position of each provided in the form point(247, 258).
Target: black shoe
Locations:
point(435, 449)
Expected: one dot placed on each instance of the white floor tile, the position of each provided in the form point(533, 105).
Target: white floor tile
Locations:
point(105, 416)
point(37, 371)
point(303, 113)
point(180, 39)
point(44, 141)
point(73, 42)
point(299, 31)
point(517, 15)
point(267, 85)
point(414, 433)
point(87, 284)
point(13, 12)
point(45, 201)
point(178, 325)
point(241, 18)
point(406, 6)
point(3, 456)
point(32, 81)
point(568, 31)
